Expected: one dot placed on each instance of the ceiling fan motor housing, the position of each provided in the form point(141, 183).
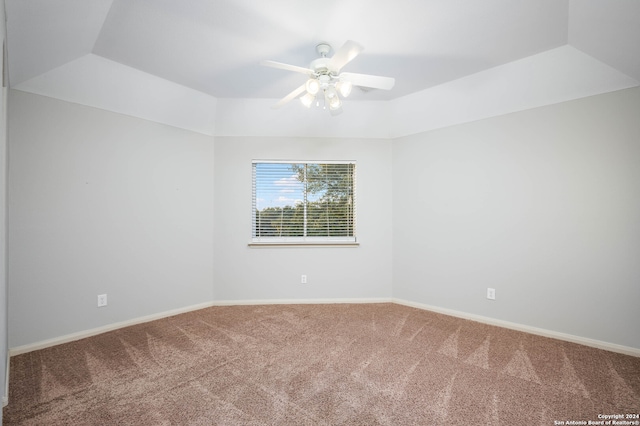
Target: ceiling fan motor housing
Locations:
point(320, 66)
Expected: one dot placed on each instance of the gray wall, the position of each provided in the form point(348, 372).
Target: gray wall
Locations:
point(542, 205)
point(103, 203)
point(3, 226)
point(244, 273)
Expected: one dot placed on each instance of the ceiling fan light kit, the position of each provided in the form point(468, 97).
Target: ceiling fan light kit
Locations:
point(326, 82)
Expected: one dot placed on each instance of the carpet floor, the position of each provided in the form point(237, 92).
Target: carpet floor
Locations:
point(347, 364)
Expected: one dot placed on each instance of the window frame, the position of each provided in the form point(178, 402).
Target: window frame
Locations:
point(303, 241)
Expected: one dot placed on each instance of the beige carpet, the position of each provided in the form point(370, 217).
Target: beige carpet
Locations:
point(319, 365)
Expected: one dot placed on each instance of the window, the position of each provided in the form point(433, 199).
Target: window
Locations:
point(303, 202)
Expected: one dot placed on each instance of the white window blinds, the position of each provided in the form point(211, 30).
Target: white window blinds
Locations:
point(303, 202)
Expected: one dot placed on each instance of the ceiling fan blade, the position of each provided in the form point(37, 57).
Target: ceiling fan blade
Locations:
point(366, 80)
point(290, 96)
point(280, 65)
point(344, 55)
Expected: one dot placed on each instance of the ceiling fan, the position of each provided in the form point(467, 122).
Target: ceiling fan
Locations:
point(326, 82)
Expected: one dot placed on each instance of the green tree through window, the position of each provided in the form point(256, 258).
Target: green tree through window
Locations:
point(303, 201)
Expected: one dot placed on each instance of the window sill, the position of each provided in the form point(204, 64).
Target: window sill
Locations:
point(303, 244)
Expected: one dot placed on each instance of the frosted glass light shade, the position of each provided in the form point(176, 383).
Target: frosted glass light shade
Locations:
point(335, 103)
point(307, 99)
point(312, 86)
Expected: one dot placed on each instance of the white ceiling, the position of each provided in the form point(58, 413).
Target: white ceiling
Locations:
point(211, 49)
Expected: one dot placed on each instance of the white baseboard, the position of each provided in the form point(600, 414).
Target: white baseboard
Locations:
point(99, 330)
point(300, 301)
point(627, 350)
point(492, 321)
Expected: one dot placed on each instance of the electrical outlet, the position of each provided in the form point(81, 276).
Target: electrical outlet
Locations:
point(303, 279)
point(491, 293)
point(102, 300)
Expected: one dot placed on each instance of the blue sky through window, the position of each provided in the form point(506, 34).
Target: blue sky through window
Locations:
point(277, 185)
